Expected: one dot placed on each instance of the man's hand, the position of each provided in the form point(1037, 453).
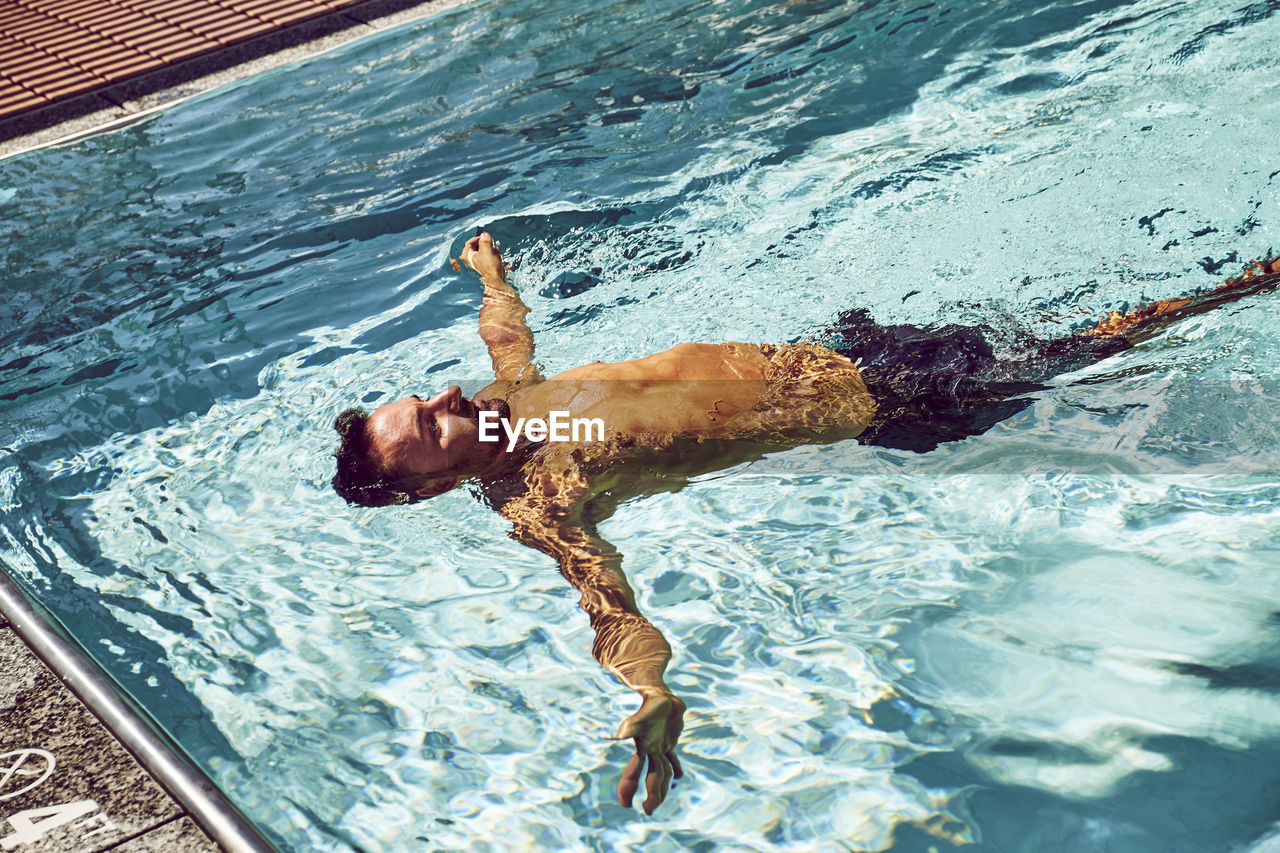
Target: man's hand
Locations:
point(482, 256)
point(655, 728)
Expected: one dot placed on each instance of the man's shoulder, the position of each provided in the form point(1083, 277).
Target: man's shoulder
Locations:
point(502, 389)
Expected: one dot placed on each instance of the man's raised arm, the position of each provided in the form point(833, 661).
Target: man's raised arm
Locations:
point(549, 517)
point(502, 325)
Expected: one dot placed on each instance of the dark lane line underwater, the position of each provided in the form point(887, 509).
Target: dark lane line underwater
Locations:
point(1052, 635)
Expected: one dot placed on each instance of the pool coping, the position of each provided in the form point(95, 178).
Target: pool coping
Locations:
point(120, 104)
point(181, 779)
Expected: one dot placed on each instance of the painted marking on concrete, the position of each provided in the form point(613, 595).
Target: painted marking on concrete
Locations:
point(30, 824)
point(22, 763)
point(104, 824)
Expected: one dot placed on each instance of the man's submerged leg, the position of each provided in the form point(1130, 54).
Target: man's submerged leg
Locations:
point(1258, 277)
point(935, 386)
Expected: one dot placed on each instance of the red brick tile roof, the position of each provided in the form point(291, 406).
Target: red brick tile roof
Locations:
point(52, 49)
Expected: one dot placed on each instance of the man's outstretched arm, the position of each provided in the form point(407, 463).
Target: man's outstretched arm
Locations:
point(502, 313)
point(548, 517)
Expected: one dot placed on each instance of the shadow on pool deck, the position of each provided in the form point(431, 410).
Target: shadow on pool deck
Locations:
point(101, 66)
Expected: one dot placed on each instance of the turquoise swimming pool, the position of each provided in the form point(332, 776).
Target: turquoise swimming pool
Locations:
point(1060, 635)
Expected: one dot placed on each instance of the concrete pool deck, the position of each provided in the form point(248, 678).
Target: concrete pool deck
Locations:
point(72, 68)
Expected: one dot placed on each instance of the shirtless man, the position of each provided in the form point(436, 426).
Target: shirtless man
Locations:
point(687, 410)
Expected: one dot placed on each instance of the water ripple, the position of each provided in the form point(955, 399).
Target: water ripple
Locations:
point(993, 644)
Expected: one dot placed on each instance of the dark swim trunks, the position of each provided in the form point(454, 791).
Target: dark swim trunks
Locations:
point(939, 385)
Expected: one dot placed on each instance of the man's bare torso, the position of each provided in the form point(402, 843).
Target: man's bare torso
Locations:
point(728, 390)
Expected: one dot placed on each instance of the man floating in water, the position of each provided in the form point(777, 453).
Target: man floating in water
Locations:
point(557, 456)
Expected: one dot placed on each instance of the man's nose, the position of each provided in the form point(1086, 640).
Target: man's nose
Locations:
point(446, 400)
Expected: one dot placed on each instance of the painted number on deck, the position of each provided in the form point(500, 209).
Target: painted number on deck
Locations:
point(29, 824)
point(22, 770)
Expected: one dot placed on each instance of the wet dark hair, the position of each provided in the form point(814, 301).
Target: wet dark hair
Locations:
point(359, 479)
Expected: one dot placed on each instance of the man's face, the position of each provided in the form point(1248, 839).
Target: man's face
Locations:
point(426, 439)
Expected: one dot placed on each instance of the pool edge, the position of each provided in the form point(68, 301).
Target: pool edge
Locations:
point(164, 760)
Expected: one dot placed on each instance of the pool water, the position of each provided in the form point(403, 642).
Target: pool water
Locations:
point(1064, 634)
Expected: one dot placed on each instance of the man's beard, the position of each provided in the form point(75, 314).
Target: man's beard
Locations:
point(500, 406)
point(521, 444)
point(504, 418)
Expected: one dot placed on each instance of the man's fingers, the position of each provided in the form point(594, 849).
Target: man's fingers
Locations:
point(654, 785)
point(656, 728)
point(627, 730)
point(630, 781)
point(481, 245)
